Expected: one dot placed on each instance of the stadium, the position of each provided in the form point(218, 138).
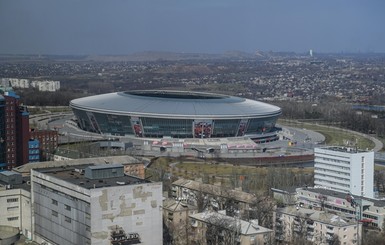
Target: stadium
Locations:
point(176, 114)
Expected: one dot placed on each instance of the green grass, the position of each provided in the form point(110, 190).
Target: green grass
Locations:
point(334, 136)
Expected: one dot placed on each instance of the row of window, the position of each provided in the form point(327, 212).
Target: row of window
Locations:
point(13, 218)
point(66, 218)
point(331, 183)
point(331, 171)
point(12, 200)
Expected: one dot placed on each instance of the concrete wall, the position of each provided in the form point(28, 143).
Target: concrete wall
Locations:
point(134, 208)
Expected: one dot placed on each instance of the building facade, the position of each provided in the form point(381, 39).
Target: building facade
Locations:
point(218, 228)
point(15, 202)
point(34, 151)
point(3, 145)
point(16, 131)
point(344, 169)
point(48, 142)
point(294, 224)
point(366, 210)
point(95, 205)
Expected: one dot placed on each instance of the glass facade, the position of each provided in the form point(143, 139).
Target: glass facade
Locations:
point(225, 128)
point(175, 128)
point(260, 125)
point(160, 127)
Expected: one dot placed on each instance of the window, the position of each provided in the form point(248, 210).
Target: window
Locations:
point(12, 208)
point(67, 207)
point(54, 202)
point(54, 213)
point(12, 200)
point(13, 218)
point(67, 219)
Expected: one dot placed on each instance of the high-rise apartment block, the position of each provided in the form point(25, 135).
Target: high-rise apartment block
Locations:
point(344, 169)
point(14, 131)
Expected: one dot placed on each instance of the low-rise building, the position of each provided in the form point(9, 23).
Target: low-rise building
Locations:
point(15, 202)
point(218, 228)
point(367, 210)
point(206, 196)
point(294, 224)
point(176, 219)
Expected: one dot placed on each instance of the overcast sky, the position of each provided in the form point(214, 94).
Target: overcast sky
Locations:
point(205, 26)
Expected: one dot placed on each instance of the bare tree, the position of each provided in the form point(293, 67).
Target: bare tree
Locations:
point(261, 208)
point(222, 230)
point(299, 231)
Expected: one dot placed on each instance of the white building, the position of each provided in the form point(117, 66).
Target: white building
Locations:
point(95, 204)
point(15, 202)
point(344, 169)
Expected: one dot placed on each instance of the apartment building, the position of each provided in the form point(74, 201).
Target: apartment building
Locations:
point(211, 196)
point(344, 169)
point(295, 223)
point(14, 131)
point(218, 228)
point(366, 210)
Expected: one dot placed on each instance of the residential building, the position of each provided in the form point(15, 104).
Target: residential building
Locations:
point(48, 142)
point(367, 210)
point(14, 132)
point(293, 224)
point(3, 156)
point(176, 219)
point(206, 196)
point(218, 228)
point(96, 204)
point(344, 169)
point(34, 152)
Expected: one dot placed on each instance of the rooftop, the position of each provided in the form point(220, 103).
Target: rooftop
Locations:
point(319, 216)
point(25, 169)
point(175, 104)
point(75, 175)
point(342, 195)
point(215, 190)
point(343, 149)
point(247, 228)
point(175, 94)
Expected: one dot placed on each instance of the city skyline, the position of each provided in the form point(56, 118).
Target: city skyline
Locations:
point(126, 27)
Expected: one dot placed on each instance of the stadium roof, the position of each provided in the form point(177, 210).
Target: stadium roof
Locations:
point(175, 104)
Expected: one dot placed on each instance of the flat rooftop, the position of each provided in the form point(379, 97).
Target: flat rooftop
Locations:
point(75, 175)
point(343, 149)
point(26, 168)
point(320, 216)
point(25, 185)
point(342, 195)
